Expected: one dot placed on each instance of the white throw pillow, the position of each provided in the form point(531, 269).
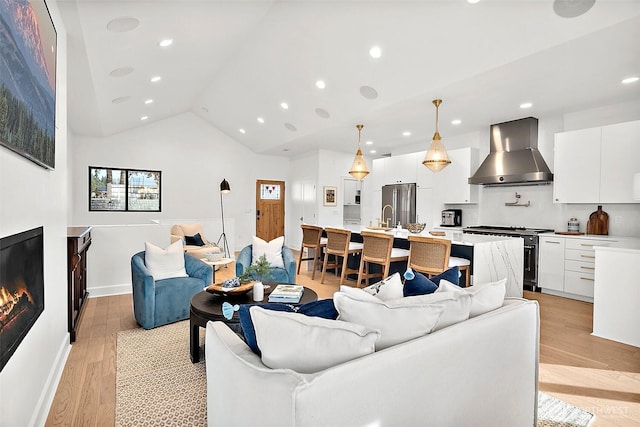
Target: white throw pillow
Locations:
point(457, 306)
point(165, 263)
point(397, 321)
point(387, 289)
point(308, 344)
point(484, 297)
point(272, 250)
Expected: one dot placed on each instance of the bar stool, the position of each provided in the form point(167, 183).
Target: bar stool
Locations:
point(339, 245)
point(312, 239)
point(378, 249)
point(432, 256)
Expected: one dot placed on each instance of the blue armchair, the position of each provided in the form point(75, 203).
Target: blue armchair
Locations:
point(281, 275)
point(157, 303)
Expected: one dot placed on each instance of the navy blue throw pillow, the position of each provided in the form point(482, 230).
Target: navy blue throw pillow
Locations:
point(322, 308)
point(422, 285)
point(194, 240)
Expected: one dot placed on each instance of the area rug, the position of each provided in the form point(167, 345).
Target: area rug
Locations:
point(156, 383)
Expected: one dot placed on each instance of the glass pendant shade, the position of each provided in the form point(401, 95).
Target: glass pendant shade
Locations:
point(359, 167)
point(436, 158)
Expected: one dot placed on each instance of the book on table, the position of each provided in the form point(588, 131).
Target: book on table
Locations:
point(286, 293)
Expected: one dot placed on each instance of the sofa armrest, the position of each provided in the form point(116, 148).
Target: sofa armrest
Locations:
point(175, 238)
point(144, 291)
point(289, 263)
point(244, 260)
point(198, 269)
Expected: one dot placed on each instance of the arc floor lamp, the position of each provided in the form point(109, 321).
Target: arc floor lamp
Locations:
point(224, 189)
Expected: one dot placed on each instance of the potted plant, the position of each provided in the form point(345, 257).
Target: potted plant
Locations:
point(259, 271)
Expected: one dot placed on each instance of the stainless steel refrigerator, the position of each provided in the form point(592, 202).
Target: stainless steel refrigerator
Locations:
point(399, 204)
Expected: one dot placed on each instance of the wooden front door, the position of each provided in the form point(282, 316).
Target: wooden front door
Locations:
point(269, 209)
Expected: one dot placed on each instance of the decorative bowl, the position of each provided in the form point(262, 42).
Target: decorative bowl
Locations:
point(414, 227)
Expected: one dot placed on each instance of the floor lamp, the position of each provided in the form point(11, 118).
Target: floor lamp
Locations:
point(224, 189)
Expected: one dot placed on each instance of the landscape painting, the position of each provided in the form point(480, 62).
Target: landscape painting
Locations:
point(27, 80)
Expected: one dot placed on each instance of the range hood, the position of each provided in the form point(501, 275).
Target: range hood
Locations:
point(514, 157)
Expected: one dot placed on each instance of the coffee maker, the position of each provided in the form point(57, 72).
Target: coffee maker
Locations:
point(451, 218)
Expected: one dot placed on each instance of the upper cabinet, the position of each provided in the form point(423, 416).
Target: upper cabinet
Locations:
point(351, 191)
point(400, 169)
point(454, 178)
point(596, 165)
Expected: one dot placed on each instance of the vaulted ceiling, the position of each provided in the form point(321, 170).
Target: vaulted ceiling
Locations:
point(232, 62)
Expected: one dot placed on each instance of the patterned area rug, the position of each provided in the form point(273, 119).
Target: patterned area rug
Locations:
point(156, 383)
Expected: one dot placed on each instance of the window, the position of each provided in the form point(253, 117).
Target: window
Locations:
point(123, 190)
point(269, 192)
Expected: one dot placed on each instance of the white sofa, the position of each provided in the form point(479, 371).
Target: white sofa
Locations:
point(480, 372)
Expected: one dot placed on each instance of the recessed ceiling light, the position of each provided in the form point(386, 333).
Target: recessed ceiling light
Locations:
point(375, 52)
point(260, 120)
point(284, 105)
point(369, 142)
point(630, 80)
point(320, 84)
point(406, 133)
point(372, 151)
point(472, 1)
point(155, 79)
point(144, 118)
point(148, 101)
point(166, 42)
point(242, 131)
point(456, 121)
point(526, 105)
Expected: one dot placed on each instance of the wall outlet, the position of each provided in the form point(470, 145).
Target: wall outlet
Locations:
point(617, 219)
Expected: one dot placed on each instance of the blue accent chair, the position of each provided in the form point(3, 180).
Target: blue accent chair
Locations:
point(157, 303)
point(281, 275)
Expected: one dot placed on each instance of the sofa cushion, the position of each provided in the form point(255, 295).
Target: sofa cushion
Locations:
point(165, 263)
point(387, 289)
point(398, 320)
point(417, 283)
point(272, 250)
point(195, 240)
point(323, 308)
point(457, 306)
point(484, 297)
point(309, 344)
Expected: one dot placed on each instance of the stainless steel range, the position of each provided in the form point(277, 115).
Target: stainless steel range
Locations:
point(530, 236)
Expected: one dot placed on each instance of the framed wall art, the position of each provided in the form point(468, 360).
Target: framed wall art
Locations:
point(28, 42)
point(330, 196)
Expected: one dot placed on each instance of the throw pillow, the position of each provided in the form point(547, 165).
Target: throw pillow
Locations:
point(309, 344)
point(323, 308)
point(484, 297)
point(271, 250)
point(165, 263)
point(387, 289)
point(457, 306)
point(417, 283)
point(396, 320)
point(195, 240)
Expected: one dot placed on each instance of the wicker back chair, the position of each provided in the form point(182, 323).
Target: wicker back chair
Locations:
point(429, 255)
point(339, 245)
point(312, 240)
point(378, 249)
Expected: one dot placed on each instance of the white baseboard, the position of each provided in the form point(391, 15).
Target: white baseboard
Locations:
point(39, 417)
point(104, 291)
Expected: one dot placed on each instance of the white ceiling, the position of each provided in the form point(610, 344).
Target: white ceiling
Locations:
point(233, 61)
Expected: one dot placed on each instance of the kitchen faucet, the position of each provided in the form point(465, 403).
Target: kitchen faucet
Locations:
point(386, 223)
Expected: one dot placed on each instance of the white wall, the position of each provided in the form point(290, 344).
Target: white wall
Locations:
point(333, 167)
point(31, 196)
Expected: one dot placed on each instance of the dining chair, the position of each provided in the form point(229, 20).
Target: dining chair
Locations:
point(378, 249)
point(340, 246)
point(312, 240)
point(433, 256)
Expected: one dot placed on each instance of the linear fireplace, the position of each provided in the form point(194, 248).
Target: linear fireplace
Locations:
point(21, 288)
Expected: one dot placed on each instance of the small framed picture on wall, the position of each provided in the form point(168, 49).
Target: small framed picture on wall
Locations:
point(330, 196)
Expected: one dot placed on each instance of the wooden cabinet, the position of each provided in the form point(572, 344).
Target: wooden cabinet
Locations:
point(454, 179)
point(596, 165)
point(78, 242)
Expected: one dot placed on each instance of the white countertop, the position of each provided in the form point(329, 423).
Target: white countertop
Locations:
point(614, 243)
point(455, 235)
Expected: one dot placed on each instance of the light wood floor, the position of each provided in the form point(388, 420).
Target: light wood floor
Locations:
point(598, 375)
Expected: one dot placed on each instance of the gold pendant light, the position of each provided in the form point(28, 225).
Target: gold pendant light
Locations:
point(436, 158)
point(359, 168)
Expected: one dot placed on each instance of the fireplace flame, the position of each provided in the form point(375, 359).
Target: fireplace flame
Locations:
point(8, 300)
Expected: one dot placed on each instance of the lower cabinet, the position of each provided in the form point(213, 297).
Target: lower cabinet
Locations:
point(551, 263)
point(78, 242)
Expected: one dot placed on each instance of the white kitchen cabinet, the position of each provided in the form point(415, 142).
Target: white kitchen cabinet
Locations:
point(424, 175)
point(596, 165)
point(424, 206)
point(401, 169)
point(453, 180)
point(376, 177)
point(350, 190)
point(551, 263)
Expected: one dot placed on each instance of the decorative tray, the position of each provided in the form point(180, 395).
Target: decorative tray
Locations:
point(372, 227)
point(437, 233)
point(217, 288)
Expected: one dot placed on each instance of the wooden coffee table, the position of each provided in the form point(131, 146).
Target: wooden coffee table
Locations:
point(206, 306)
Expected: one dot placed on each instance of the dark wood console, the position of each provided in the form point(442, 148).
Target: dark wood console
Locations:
point(78, 242)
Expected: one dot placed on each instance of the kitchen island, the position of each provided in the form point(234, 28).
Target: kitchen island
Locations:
point(492, 257)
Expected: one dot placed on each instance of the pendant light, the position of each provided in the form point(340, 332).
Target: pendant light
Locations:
point(359, 168)
point(436, 158)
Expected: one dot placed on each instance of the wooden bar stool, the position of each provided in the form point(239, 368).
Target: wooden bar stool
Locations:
point(312, 240)
point(432, 256)
point(339, 245)
point(378, 249)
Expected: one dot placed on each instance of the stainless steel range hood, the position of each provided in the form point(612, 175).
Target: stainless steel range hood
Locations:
point(514, 157)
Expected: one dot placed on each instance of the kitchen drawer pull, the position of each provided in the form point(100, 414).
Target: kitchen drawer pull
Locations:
point(551, 241)
point(587, 278)
point(588, 256)
point(588, 268)
point(586, 244)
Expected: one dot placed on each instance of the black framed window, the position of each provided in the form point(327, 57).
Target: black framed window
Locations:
point(124, 190)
